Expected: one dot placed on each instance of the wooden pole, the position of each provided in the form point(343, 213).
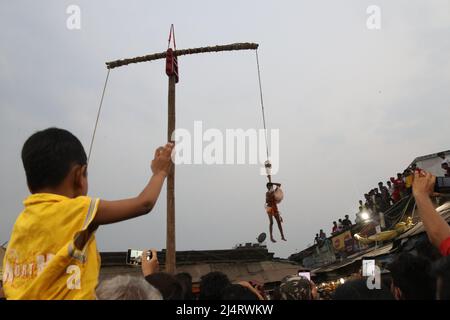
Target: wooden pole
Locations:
point(170, 240)
point(170, 237)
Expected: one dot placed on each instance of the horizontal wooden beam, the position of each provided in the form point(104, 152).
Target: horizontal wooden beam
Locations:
point(182, 52)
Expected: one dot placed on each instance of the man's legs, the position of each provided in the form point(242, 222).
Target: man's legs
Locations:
point(271, 228)
point(278, 218)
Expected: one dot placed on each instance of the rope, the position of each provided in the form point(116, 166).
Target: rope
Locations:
point(262, 103)
point(98, 116)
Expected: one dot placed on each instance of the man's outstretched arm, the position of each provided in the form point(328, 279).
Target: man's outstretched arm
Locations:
point(436, 227)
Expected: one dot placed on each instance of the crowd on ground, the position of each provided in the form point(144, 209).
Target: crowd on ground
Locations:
point(410, 278)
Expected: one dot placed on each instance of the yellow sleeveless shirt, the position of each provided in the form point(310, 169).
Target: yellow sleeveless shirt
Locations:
point(41, 260)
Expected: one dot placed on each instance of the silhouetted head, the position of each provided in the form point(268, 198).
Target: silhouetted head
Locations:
point(411, 278)
point(442, 276)
point(238, 292)
point(167, 284)
point(359, 290)
point(212, 285)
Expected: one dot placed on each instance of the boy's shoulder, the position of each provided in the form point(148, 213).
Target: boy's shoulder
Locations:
point(40, 198)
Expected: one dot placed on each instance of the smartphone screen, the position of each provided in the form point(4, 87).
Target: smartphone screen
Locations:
point(306, 275)
point(134, 257)
point(368, 268)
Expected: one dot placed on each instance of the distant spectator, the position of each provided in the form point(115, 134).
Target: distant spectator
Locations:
point(361, 206)
point(400, 184)
point(238, 292)
point(396, 192)
point(340, 225)
point(296, 288)
point(322, 235)
point(385, 195)
point(442, 276)
point(126, 287)
point(358, 219)
point(380, 206)
point(444, 158)
point(390, 187)
point(212, 285)
point(411, 278)
point(185, 279)
point(335, 227)
point(369, 203)
point(372, 200)
point(316, 239)
point(346, 223)
point(408, 181)
point(446, 167)
point(358, 290)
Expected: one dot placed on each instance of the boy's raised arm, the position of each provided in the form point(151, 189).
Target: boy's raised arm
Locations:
point(114, 211)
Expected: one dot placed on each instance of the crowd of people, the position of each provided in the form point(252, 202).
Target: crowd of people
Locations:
point(62, 262)
point(410, 278)
point(382, 198)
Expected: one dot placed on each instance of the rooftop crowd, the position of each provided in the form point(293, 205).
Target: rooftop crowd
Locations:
point(381, 199)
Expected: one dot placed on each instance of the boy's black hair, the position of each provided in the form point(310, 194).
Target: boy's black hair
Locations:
point(48, 156)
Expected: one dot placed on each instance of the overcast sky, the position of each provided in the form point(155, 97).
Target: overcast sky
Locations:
point(354, 106)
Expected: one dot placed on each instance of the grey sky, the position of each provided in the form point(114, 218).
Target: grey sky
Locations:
point(354, 106)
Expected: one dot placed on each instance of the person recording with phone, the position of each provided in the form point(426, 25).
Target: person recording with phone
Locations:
point(438, 230)
point(167, 284)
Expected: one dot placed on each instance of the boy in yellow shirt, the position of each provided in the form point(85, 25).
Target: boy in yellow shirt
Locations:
point(52, 252)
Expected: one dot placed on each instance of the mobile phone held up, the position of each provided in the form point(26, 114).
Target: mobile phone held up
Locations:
point(134, 257)
point(442, 185)
point(306, 275)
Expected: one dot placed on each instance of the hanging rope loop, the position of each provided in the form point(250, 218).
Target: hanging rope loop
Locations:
point(172, 35)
